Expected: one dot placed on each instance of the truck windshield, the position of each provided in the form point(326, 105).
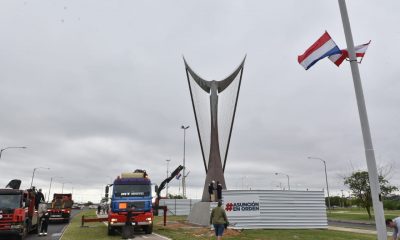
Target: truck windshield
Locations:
point(131, 190)
point(10, 201)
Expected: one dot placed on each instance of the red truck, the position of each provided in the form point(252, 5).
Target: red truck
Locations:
point(60, 207)
point(18, 215)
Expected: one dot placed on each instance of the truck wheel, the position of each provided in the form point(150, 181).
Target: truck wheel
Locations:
point(148, 229)
point(24, 233)
point(111, 230)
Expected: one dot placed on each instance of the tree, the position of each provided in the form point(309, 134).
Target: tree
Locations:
point(358, 183)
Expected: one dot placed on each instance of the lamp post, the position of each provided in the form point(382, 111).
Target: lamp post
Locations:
point(288, 182)
point(1, 150)
point(62, 189)
point(33, 173)
point(184, 167)
point(51, 180)
point(326, 179)
point(166, 189)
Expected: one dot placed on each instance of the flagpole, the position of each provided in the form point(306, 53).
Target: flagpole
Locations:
point(362, 110)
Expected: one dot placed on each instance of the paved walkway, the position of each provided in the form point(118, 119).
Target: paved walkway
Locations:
point(355, 230)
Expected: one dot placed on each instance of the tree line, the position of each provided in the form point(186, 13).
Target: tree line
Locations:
point(358, 183)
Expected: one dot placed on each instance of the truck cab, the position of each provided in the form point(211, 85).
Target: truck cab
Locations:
point(131, 198)
point(18, 215)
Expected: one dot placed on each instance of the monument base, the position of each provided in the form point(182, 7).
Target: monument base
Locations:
point(200, 214)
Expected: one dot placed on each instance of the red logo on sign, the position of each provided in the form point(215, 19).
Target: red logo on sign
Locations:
point(229, 206)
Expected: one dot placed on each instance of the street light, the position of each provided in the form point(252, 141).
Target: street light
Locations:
point(62, 189)
point(184, 167)
point(288, 183)
point(166, 190)
point(51, 180)
point(1, 150)
point(33, 174)
point(326, 179)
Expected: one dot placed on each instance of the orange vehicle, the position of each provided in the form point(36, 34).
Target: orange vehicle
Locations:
point(18, 215)
point(60, 207)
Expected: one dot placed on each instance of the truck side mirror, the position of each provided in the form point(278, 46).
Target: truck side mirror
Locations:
point(107, 190)
point(156, 188)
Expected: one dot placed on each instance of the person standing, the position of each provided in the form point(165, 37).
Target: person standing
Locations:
point(219, 219)
point(395, 224)
point(44, 217)
point(219, 191)
point(211, 191)
point(128, 230)
point(39, 198)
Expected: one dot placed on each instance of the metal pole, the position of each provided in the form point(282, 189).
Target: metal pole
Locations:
point(51, 180)
point(48, 196)
point(1, 150)
point(184, 166)
point(326, 179)
point(369, 150)
point(327, 186)
point(166, 189)
point(287, 175)
point(342, 199)
point(62, 189)
point(33, 175)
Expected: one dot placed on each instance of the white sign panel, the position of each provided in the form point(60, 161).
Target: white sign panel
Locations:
point(242, 205)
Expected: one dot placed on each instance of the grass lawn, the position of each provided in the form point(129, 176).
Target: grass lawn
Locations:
point(95, 230)
point(178, 229)
point(358, 214)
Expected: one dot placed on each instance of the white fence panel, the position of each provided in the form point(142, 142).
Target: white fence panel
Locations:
point(262, 209)
point(179, 207)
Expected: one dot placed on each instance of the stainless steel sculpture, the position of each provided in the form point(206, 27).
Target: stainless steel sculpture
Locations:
point(210, 121)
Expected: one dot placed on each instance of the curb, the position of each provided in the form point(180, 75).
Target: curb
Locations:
point(356, 222)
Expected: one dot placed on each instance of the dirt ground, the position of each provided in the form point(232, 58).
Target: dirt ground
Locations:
point(196, 230)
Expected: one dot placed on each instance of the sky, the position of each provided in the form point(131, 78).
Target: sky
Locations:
point(95, 88)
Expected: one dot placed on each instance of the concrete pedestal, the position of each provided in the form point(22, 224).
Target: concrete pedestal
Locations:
point(200, 214)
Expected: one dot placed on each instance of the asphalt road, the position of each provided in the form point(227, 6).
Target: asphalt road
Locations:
point(143, 235)
point(54, 230)
point(350, 224)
